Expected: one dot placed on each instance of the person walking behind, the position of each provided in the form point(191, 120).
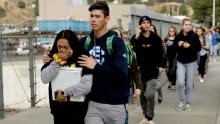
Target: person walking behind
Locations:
point(214, 44)
point(149, 51)
point(110, 89)
point(170, 56)
point(159, 87)
point(134, 76)
point(187, 46)
point(203, 53)
point(208, 36)
point(65, 53)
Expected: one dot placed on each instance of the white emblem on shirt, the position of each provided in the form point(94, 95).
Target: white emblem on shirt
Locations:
point(98, 53)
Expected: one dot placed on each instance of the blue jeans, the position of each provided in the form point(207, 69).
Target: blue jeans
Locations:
point(185, 79)
point(213, 51)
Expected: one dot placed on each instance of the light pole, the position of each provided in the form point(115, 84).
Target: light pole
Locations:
point(1, 79)
point(213, 14)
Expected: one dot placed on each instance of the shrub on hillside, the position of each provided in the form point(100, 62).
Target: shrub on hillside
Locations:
point(21, 4)
point(2, 12)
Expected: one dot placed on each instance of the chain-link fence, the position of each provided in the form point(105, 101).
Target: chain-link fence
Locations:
point(21, 53)
point(21, 58)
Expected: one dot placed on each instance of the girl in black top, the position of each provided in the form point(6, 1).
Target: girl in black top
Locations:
point(170, 57)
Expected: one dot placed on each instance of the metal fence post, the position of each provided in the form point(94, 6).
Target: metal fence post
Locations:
point(1, 77)
point(31, 64)
point(132, 26)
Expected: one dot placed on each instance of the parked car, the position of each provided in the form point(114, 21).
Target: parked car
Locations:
point(22, 51)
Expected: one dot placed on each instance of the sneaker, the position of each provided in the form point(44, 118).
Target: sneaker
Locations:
point(160, 99)
point(180, 107)
point(150, 122)
point(160, 95)
point(169, 86)
point(201, 80)
point(173, 88)
point(188, 107)
point(214, 60)
point(143, 121)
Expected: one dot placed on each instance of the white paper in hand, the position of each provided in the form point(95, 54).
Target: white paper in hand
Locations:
point(65, 78)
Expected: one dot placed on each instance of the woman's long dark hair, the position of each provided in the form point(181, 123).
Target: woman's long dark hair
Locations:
point(73, 41)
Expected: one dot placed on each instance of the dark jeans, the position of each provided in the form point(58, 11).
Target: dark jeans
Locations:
point(202, 65)
point(126, 119)
point(171, 70)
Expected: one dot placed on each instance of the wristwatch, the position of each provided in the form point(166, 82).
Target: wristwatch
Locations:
point(62, 93)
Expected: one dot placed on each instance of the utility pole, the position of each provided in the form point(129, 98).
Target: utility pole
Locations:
point(1, 76)
point(213, 14)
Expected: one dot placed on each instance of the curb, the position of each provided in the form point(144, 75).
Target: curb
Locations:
point(218, 114)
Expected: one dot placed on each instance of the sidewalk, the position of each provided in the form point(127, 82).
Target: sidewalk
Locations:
point(205, 107)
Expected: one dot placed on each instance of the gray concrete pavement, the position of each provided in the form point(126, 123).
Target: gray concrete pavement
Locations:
point(205, 106)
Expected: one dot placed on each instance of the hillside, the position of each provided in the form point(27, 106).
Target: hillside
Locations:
point(15, 15)
point(174, 6)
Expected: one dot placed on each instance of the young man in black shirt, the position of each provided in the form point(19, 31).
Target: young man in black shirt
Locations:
point(149, 51)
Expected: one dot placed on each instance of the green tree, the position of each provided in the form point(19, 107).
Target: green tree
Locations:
point(130, 1)
point(163, 9)
point(203, 10)
point(6, 5)
point(21, 4)
point(36, 9)
point(2, 12)
point(183, 10)
point(92, 1)
point(150, 2)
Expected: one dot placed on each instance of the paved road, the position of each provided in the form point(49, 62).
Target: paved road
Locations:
point(205, 107)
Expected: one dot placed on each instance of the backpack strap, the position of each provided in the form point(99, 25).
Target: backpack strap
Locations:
point(87, 42)
point(129, 53)
point(109, 44)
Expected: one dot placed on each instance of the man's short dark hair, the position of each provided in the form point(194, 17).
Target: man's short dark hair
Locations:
point(100, 5)
point(144, 18)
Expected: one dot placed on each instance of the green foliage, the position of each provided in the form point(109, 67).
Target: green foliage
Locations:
point(150, 2)
point(163, 9)
point(123, 1)
point(92, 1)
point(203, 10)
point(2, 12)
point(36, 9)
point(130, 1)
point(6, 5)
point(21, 4)
point(184, 10)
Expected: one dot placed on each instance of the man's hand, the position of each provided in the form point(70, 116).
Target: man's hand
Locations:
point(137, 93)
point(60, 97)
point(86, 61)
point(47, 58)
